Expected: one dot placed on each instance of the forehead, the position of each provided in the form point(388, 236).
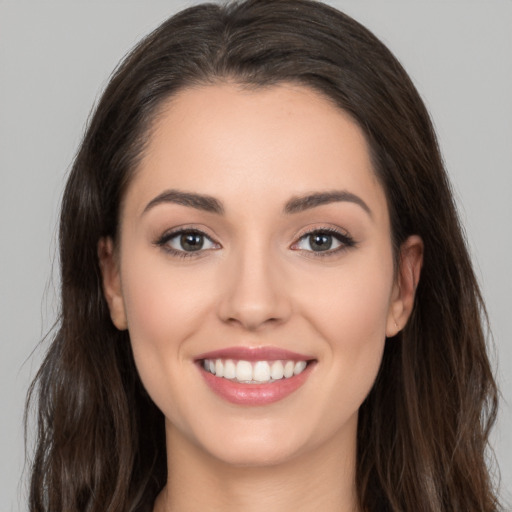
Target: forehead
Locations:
point(224, 140)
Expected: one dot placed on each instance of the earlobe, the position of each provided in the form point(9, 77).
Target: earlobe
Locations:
point(109, 266)
point(404, 291)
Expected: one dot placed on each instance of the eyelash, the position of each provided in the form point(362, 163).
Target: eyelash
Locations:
point(346, 241)
point(168, 236)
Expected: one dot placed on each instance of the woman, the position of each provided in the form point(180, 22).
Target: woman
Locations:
point(267, 302)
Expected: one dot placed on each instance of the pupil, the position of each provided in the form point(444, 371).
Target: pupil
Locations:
point(320, 242)
point(192, 241)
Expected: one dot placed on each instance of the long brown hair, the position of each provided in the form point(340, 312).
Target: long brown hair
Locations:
point(423, 429)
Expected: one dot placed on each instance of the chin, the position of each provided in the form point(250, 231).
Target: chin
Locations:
point(250, 443)
point(256, 454)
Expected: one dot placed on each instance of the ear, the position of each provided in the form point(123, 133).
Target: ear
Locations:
point(109, 266)
point(404, 289)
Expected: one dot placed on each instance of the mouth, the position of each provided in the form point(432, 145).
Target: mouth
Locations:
point(258, 372)
point(254, 376)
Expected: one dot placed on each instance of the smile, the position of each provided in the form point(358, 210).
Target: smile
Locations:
point(254, 376)
point(253, 372)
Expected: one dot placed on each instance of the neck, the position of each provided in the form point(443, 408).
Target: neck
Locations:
point(322, 479)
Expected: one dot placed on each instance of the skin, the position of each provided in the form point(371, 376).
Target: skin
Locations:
point(258, 283)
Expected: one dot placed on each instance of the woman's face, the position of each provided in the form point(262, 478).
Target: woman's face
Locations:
point(255, 241)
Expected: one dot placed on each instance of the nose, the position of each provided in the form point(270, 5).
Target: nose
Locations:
point(254, 294)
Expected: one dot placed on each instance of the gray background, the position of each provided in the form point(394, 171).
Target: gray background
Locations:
point(55, 58)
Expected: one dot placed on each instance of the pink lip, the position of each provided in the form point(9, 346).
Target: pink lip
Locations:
point(255, 354)
point(255, 394)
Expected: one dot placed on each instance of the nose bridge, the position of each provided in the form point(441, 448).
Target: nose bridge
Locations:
point(254, 292)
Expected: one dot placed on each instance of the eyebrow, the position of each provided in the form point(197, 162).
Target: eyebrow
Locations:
point(294, 205)
point(301, 203)
point(198, 201)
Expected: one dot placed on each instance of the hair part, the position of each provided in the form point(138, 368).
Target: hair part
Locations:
point(424, 427)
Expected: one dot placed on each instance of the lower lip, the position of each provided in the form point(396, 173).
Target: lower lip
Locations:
point(255, 394)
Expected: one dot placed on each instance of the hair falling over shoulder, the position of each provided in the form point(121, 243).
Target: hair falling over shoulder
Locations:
point(423, 430)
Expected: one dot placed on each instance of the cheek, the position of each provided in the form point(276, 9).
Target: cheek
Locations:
point(165, 309)
point(161, 299)
point(351, 306)
point(350, 316)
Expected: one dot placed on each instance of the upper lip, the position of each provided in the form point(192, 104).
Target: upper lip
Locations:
point(255, 354)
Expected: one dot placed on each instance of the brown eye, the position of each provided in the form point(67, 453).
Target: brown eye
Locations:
point(320, 241)
point(191, 241)
point(324, 241)
point(186, 241)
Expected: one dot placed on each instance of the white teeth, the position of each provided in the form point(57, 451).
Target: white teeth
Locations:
point(277, 370)
point(219, 368)
point(261, 371)
point(254, 372)
point(288, 369)
point(229, 369)
point(244, 370)
point(299, 367)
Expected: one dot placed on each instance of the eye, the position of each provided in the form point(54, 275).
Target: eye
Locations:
point(186, 241)
point(327, 241)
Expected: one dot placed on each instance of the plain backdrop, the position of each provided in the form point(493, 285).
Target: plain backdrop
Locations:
point(55, 59)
